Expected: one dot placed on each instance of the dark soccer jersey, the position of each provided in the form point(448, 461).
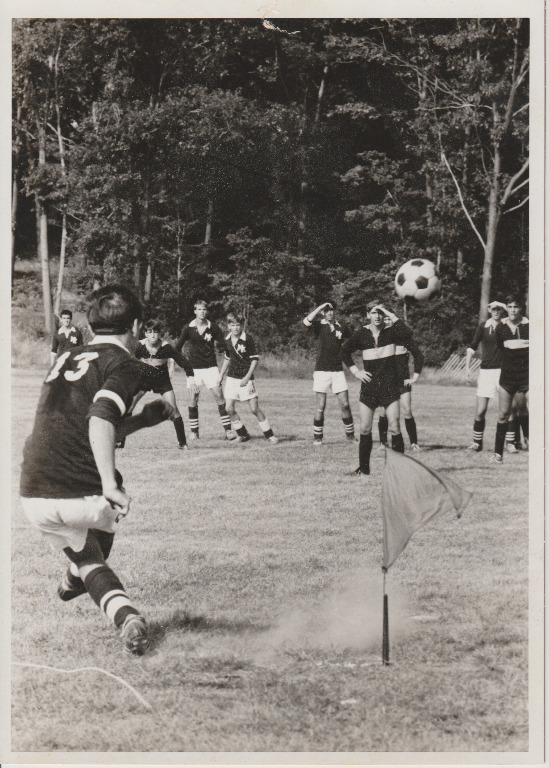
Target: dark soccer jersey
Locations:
point(514, 343)
point(158, 357)
point(201, 346)
point(331, 336)
point(378, 354)
point(491, 354)
point(402, 362)
point(241, 354)
point(98, 379)
point(66, 338)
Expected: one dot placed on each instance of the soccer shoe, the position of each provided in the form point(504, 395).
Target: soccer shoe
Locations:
point(526, 443)
point(193, 436)
point(183, 447)
point(475, 447)
point(518, 446)
point(240, 438)
point(120, 443)
point(230, 435)
point(317, 443)
point(273, 439)
point(351, 438)
point(358, 472)
point(134, 634)
point(415, 447)
point(70, 587)
point(497, 458)
point(512, 448)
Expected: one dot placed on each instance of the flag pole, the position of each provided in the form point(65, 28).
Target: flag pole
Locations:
point(385, 642)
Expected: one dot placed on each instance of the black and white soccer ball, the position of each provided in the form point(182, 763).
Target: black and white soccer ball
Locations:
point(417, 279)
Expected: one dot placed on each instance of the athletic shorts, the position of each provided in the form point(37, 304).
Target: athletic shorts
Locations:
point(323, 380)
point(512, 387)
point(405, 388)
point(160, 385)
point(488, 382)
point(206, 376)
point(377, 397)
point(233, 390)
point(65, 522)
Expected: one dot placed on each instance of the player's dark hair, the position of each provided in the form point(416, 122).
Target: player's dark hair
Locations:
point(154, 325)
point(65, 312)
point(513, 298)
point(331, 305)
point(371, 305)
point(233, 317)
point(113, 309)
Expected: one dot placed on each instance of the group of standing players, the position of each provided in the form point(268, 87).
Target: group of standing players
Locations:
point(74, 496)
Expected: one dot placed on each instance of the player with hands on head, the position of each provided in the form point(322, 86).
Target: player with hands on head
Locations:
point(240, 362)
point(380, 385)
point(201, 337)
point(70, 489)
point(328, 373)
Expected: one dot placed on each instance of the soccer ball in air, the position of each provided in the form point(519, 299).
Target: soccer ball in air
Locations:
point(417, 279)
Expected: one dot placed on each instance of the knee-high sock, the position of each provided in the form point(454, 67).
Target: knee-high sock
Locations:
point(524, 423)
point(478, 430)
point(106, 590)
point(193, 418)
point(501, 429)
point(180, 430)
point(383, 426)
point(318, 429)
point(397, 443)
point(239, 428)
point(411, 428)
point(266, 428)
point(364, 451)
point(224, 416)
point(349, 426)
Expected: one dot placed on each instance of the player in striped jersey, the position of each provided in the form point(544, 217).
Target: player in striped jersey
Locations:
point(240, 362)
point(380, 382)
point(513, 339)
point(70, 489)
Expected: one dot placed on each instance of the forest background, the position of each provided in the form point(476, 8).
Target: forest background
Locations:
point(267, 171)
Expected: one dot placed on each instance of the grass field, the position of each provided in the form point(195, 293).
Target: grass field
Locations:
point(258, 568)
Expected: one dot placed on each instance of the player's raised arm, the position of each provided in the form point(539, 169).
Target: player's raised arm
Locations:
point(308, 321)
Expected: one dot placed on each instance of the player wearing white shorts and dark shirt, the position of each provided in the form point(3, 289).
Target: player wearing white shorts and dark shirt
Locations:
point(513, 339)
point(328, 373)
point(70, 489)
point(488, 379)
point(240, 362)
point(380, 383)
point(201, 337)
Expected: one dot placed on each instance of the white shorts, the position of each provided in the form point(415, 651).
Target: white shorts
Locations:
point(65, 522)
point(233, 390)
point(323, 380)
point(207, 376)
point(488, 382)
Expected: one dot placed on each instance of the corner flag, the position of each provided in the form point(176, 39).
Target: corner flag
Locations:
point(411, 495)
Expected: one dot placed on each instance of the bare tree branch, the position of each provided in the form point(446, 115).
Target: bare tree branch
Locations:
point(517, 206)
point(509, 189)
point(469, 219)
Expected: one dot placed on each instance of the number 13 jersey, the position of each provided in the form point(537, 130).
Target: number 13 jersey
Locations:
point(98, 379)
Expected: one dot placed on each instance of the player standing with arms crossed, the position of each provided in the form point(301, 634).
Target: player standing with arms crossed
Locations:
point(202, 336)
point(70, 489)
point(380, 383)
point(66, 337)
point(328, 371)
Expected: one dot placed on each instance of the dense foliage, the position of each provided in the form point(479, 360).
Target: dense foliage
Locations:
point(267, 171)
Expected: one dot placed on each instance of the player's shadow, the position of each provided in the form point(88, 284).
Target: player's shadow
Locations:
point(439, 447)
point(182, 621)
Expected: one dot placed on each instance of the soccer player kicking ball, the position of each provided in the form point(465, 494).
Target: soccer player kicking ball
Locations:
point(513, 339)
point(158, 354)
point(202, 336)
point(328, 371)
point(380, 382)
point(70, 489)
point(240, 362)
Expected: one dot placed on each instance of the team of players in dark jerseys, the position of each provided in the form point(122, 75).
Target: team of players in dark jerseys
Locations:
point(70, 489)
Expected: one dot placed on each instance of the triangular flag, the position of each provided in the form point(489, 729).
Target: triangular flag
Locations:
point(411, 495)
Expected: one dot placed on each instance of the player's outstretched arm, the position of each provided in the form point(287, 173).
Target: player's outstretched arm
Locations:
point(152, 414)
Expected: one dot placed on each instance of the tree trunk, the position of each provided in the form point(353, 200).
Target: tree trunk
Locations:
point(491, 231)
point(209, 222)
point(42, 230)
point(14, 201)
point(147, 291)
point(59, 291)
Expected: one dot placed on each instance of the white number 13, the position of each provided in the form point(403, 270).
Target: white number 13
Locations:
point(84, 359)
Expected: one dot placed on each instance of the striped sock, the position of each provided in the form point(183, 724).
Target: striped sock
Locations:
point(318, 429)
point(383, 426)
point(193, 419)
point(106, 590)
point(266, 428)
point(225, 418)
point(397, 443)
point(478, 431)
point(411, 429)
point(364, 451)
point(501, 429)
point(510, 434)
point(349, 426)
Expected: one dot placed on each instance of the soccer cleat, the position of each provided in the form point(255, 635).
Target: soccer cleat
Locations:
point(415, 447)
point(526, 443)
point(518, 446)
point(497, 458)
point(193, 435)
point(317, 443)
point(273, 439)
point(134, 634)
point(70, 587)
point(183, 447)
point(230, 435)
point(351, 438)
point(241, 438)
point(358, 472)
point(120, 443)
point(512, 448)
point(475, 447)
